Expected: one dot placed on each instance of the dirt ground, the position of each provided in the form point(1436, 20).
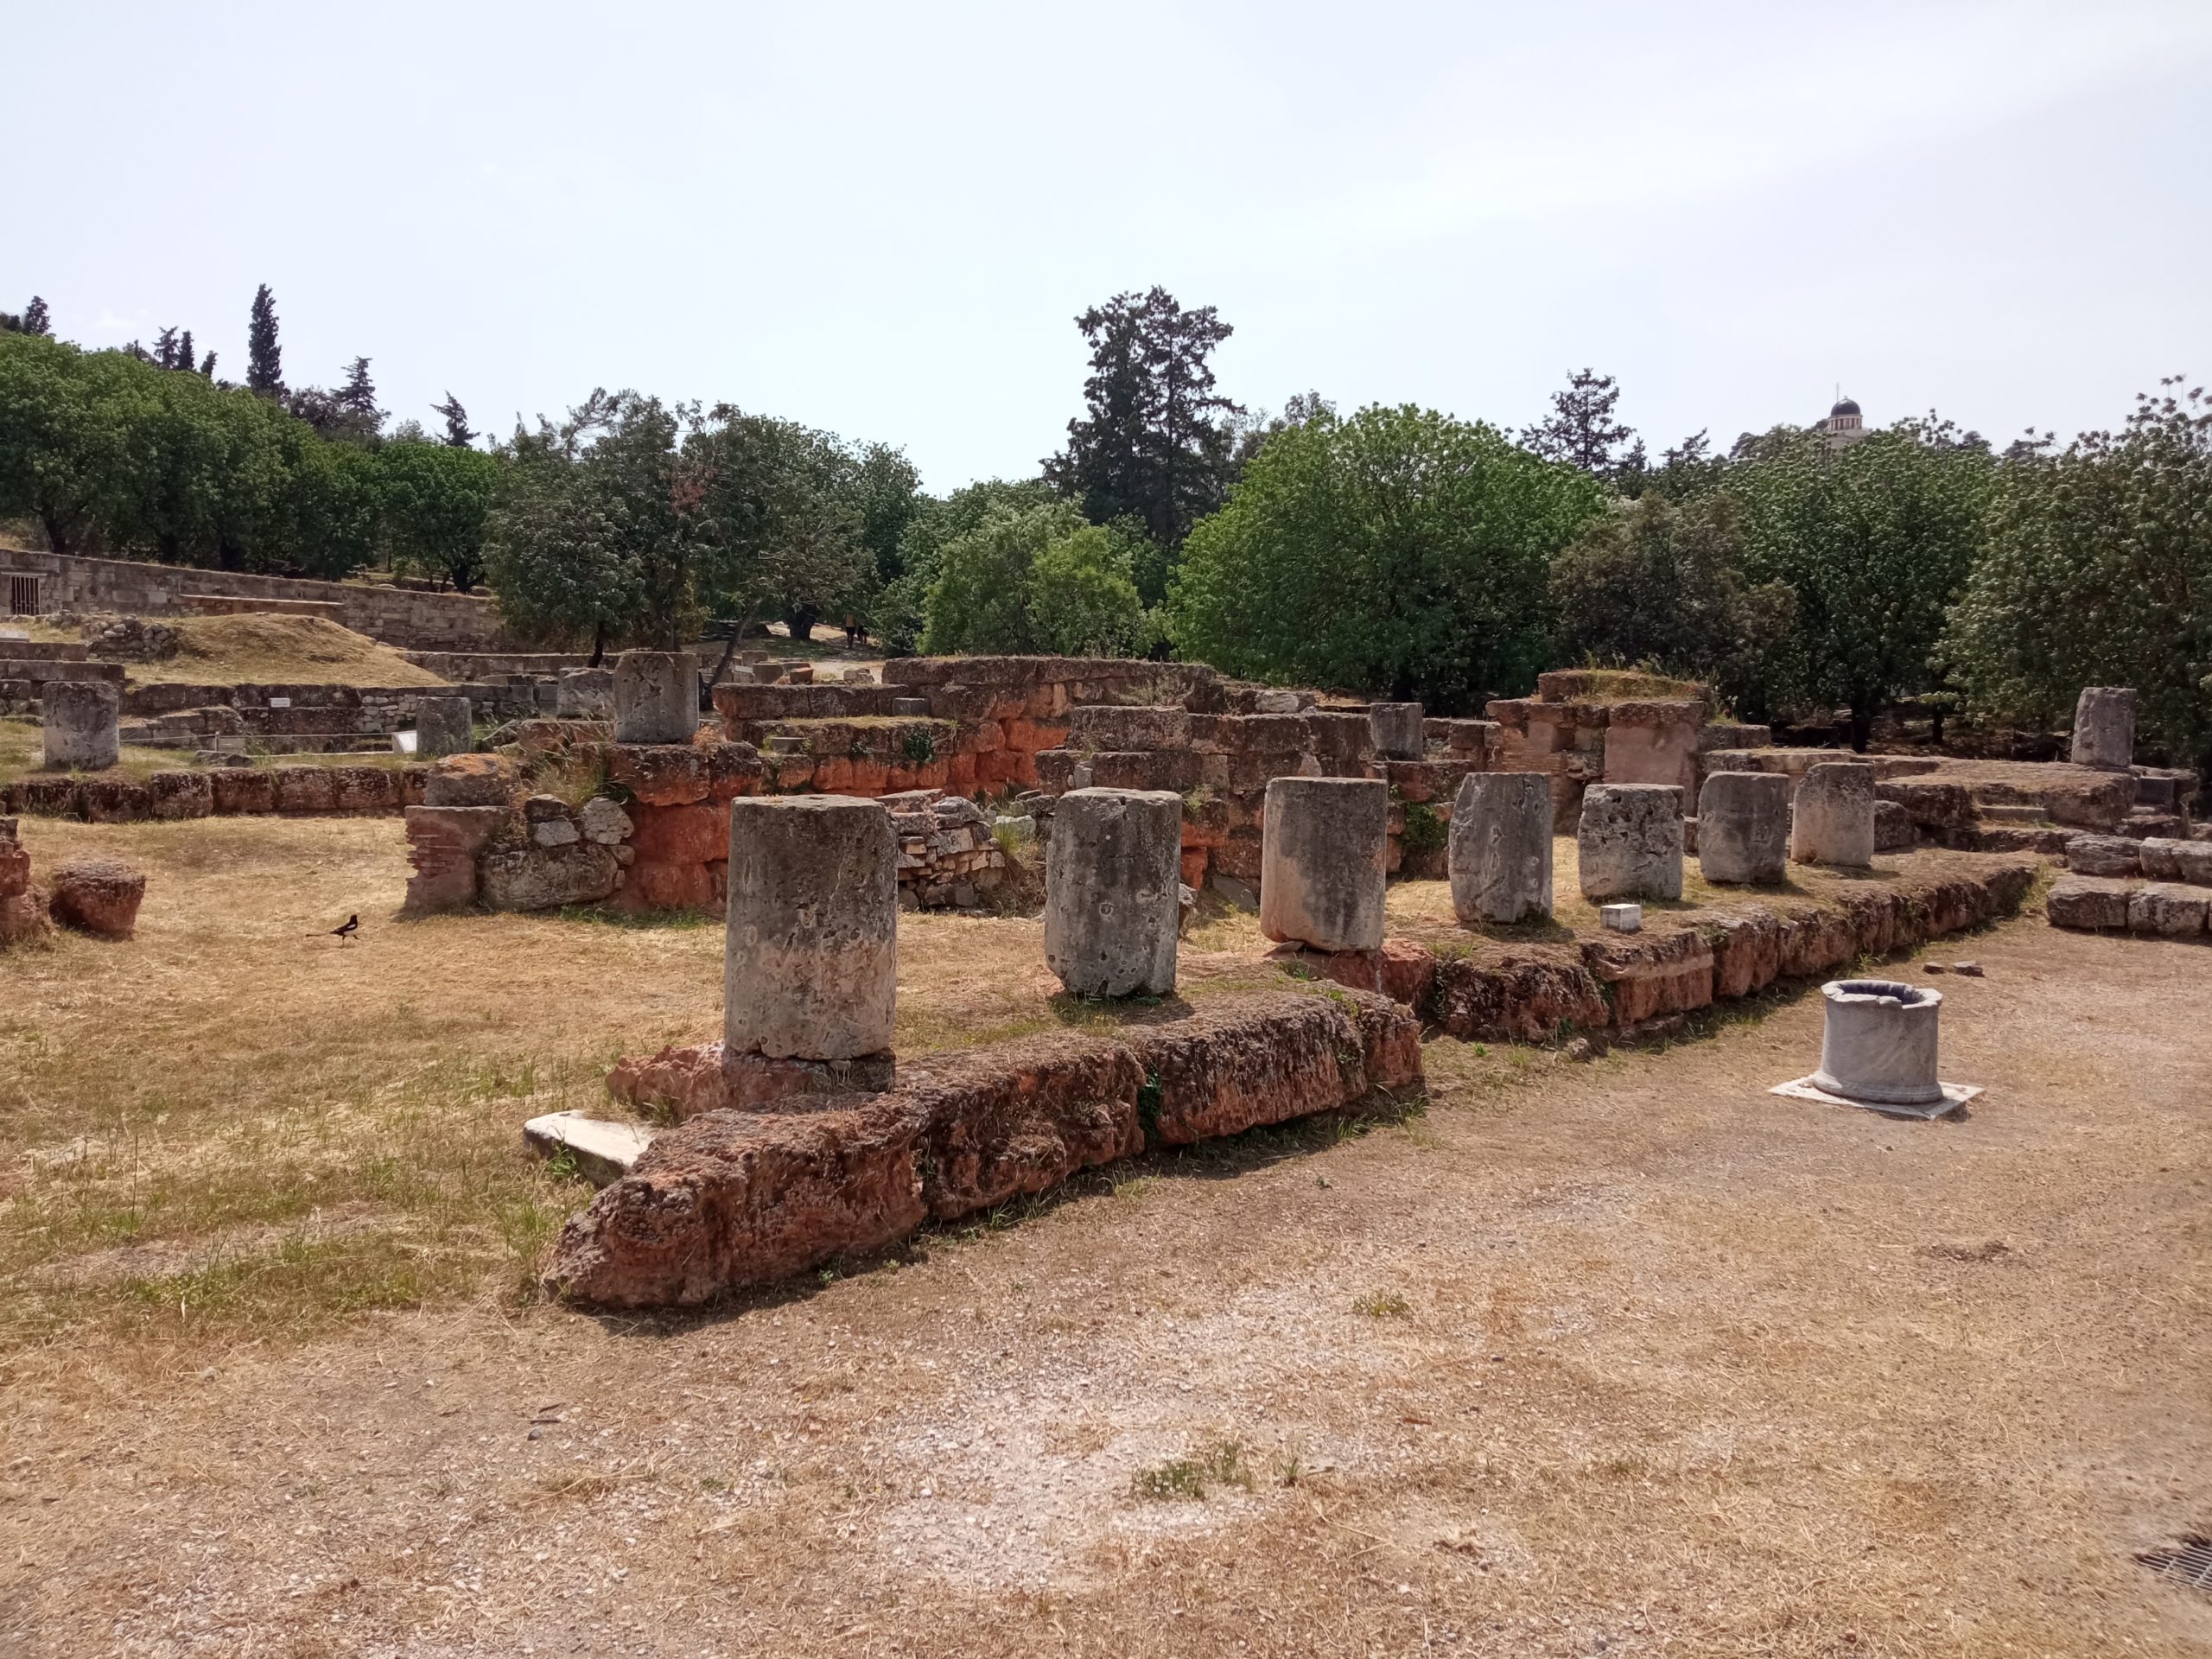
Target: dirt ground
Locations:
point(1623, 1357)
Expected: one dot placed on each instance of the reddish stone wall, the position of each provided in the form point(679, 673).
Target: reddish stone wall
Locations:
point(223, 792)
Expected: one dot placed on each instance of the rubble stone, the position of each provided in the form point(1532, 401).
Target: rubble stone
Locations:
point(1112, 887)
point(1324, 847)
point(471, 781)
point(97, 896)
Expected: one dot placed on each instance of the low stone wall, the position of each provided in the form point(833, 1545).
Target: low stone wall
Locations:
point(731, 1198)
point(397, 616)
point(223, 792)
point(372, 711)
point(2169, 910)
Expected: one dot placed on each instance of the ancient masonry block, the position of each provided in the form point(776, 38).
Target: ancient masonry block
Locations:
point(2104, 727)
point(97, 895)
point(1395, 730)
point(1324, 852)
point(655, 696)
point(1500, 856)
point(441, 726)
point(1832, 820)
point(1743, 826)
point(1111, 890)
point(82, 723)
point(1630, 844)
point(811, 963)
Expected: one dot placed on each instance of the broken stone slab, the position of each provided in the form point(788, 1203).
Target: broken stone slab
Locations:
point(1499, 852)
point(2168, 910)
point(97, 896)
point(602, 1151)
point(1111, 892)
point(81, 722)
point(1324, 848)
point(1629, 842)
point(1743, 821)
point(2104, 727)
point(811, 954)
point(1832, 818)
point(2093, 903)
point(655, 696)
point(1394, 730)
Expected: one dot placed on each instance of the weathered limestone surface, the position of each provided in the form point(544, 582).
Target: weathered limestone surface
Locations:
point(1833, 819)
point(1395, 728)
point(2165, 859)
point(811, 952)
point(1112, 888)
point(1893, 827)
point(546, 878)
point(1743, 827)
point(441, 726)
point(1879, 1043)
point(1629, 843)
point(1500, 852)
point(2092, 902)
point(471, 781)
point(97, 895)
point(2104, 727)
point(81, 723)
point(727, 1199)
point(655, 696)
point(1325, 850)
point(2168, 909)
point(442, 843)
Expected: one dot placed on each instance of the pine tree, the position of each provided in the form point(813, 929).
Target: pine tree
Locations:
point(207, 366)
point(1582, 432)
point(165, 349)
point(458, 432)
point(35, 321)
point(264, 364)
point(359, 394)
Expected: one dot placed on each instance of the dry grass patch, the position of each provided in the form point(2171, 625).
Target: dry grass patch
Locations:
point(270, 649)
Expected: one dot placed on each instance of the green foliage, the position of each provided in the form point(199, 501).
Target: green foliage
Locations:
point(1397, 551)
point(1656, 583)
point(1874, 541)
point(899, 613)
point(436, 499)
point(2099, 572)
point(1221, 1465)
point(1082, 596)
point(1424, 832)
point(979, 603)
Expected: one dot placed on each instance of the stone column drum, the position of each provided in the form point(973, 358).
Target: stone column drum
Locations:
point(1113, 890)
point(1324, 851)
point(2104, 727)
point(655, 696)
point(1879, 1043)
point(1629, 843)
point(1832, 819)
point(810, 970)
point(82, 723)
point(1395, 728)
point(441, 726)
point(1743, 826)
point(1501, 850)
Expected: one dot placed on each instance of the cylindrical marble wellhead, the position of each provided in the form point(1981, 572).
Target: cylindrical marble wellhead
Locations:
point(1743, 826)
point(1629, 844)
point(811, 965)
point(1325, 851)
point(1880, 1042)
point(441, 726)
point(655, 696)
point(1832, 814)
point(82, 719)
point(1500, 856)
point(2104, 727)
point(1112, 891)
point(1395, 728)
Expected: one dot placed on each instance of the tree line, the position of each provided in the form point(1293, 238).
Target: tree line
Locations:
point(1391, 550)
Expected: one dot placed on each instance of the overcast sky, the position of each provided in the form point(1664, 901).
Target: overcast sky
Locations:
point(882, 219)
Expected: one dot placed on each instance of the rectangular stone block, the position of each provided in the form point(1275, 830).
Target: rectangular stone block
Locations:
point(2088, 901)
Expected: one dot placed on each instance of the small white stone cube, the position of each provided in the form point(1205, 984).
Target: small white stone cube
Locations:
point(1622, 919)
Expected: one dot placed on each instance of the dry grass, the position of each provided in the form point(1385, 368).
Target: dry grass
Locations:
point(1625, 1356)
point(270, 649)
point(22, 754)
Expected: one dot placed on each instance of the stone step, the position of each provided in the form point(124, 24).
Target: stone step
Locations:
point(42, 650)
point(603, 1151)
point(1993, 814)
point(36, 670)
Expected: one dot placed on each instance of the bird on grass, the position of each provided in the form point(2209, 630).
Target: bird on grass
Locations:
point(345, 934)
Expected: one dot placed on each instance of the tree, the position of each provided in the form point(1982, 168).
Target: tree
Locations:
point(1155, 444)
point(31, 320)
point(780, 527)
point(1874, 541)
point(2098, 571)
point(1655, 584)
point(1582, 432)
point(1395, 551)
point(264, 358)
point(979, 603)
point(359, 394)
point(64, 416)
point(1083, 598)
point(897, 613)
point(459, 434)
point(435, 500)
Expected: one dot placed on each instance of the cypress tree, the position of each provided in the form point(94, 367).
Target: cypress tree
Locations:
point(459, 434)
point(264, 358)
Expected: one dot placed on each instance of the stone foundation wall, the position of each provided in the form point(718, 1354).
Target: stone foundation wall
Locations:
point(223, 792)
point(396, 616)
point(370, 710)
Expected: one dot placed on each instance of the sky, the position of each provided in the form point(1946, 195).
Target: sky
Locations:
point(882, 219)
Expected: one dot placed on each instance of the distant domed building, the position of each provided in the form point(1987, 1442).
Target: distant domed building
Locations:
point(1843, 427)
